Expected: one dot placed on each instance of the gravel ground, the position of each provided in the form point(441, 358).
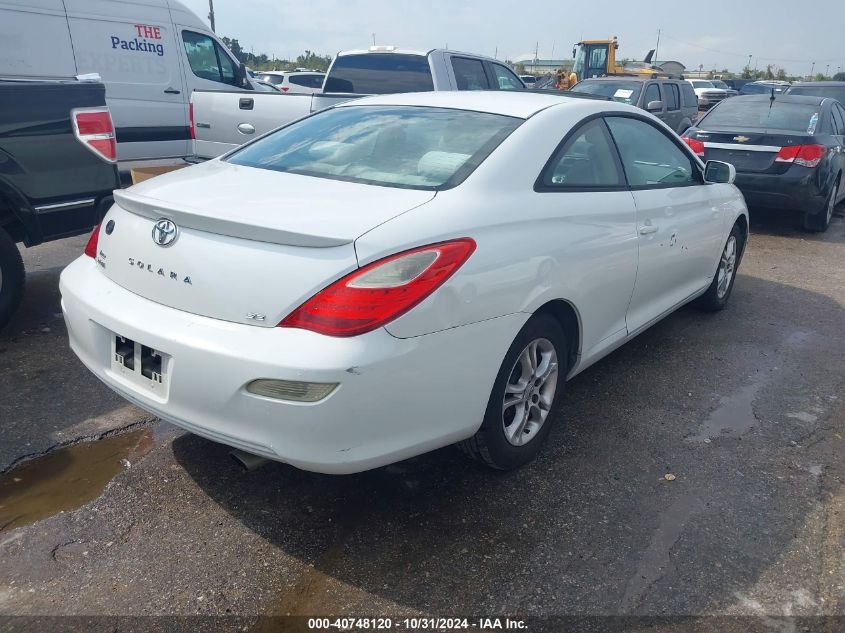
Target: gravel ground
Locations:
point(746, 408)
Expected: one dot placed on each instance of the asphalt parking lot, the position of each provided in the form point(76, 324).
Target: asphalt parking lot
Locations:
point(745, 408)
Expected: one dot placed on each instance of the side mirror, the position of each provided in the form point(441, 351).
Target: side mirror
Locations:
point(716, 171)
point(242, 78)
point(574, 52)
point(654, 106)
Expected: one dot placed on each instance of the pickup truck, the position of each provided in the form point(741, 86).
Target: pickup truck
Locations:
point(57, 169)
point(223, 120)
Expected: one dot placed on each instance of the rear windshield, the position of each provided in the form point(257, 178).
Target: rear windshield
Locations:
point(309, 81)
point(393, 146)
point(379, 73)
point(782, 115)
point(271, 79)
point(621, 91)
point(703, 84)
point(834, 92)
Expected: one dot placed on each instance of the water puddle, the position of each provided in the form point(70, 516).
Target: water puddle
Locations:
point(734, 416)
point(65, 479)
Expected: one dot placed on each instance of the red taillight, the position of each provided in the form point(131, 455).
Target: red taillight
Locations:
point(806, 155)
point(695, 145)
point(91, 246)
point(191, 121)
point(380, 292)
point(283, 88)
point(94, 128)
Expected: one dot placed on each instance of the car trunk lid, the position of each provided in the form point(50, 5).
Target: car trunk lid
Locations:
point(250, 245)
point(750, 151)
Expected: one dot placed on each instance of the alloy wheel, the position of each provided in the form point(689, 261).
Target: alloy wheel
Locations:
point(530, 391)
point(727, 267)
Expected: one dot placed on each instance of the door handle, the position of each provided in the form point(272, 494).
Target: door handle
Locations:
point(246, 128)
point(648, 229)
point(246, 103)
point(172, 91)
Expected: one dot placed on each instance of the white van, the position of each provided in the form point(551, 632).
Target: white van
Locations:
point(151, 54)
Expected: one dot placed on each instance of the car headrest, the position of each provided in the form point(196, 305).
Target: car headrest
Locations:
point(440, 166)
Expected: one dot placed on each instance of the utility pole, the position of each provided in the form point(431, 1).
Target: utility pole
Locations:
point(211, 14)
point(812, 71)
point(374, 39)
point(827, 71)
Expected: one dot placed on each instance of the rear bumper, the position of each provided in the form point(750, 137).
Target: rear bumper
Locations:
point(396, 397)
point(796, 190)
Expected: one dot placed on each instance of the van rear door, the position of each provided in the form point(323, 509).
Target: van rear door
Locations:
point(134, 48)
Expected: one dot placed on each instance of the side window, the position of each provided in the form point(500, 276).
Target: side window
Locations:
point(650, 158)
point(506, 79)
point(587, 160)
point(690, 100)
point(839, 118)
point(469, 74)
point(671, 96)
point(207, 59)
point(652, 93)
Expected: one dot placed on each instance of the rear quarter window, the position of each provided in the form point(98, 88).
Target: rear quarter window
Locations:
point(379, 73)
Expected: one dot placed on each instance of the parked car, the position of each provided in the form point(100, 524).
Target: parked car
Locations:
point(224, 120)
point(528, 80)
point(832, 89)
point(765, 87)
point(707, 93)
point(672, 101)
point(788, 151)
point(150, 54)
point(718, 83)
point(57, 169)
point(294, 82)
point(401, 273)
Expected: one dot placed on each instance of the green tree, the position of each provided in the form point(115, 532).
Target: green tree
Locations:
point(781, 75)
point(820, 77)
point(839, 77)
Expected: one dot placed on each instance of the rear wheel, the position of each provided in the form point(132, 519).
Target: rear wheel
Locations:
point(818, 222)
point(717, 295)
point(521, 407)
point(12, 277)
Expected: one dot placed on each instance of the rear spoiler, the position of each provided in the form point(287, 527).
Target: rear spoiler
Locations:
point(187, 217)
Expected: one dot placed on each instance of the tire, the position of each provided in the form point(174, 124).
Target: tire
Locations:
point(819, 222)
point(491, 444)
point(12, 277)
point(719, 291)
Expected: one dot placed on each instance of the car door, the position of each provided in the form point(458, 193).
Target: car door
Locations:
point(838, 113)
point(672, 99)
point(652, 94)
point(679, 222)
point(582, 191)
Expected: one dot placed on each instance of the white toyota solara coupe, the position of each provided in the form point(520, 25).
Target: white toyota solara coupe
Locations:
point(400, 273)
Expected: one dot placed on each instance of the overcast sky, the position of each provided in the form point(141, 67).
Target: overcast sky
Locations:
point(716, 33)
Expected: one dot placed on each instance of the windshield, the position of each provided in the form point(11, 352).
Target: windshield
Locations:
point(379, 73)
point(720, 84)
point(394, 146)
point(621, 91)
point(834, 92)
point(703, 84)
point(739, 113)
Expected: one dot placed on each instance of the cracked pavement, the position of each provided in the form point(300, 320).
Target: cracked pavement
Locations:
point(746, 408)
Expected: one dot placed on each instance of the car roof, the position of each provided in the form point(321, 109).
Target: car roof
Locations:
point(516, 103)
point(628, 78)
point(820, 84)
point(808, 99)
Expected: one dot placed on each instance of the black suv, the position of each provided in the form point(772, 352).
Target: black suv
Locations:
point(671, 100)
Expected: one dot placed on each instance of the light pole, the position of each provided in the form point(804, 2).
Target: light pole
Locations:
point(812, 70)
point(211, 14)
point(827, 71)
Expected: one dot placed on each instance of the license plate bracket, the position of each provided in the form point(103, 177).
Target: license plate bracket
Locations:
point(140, 364)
